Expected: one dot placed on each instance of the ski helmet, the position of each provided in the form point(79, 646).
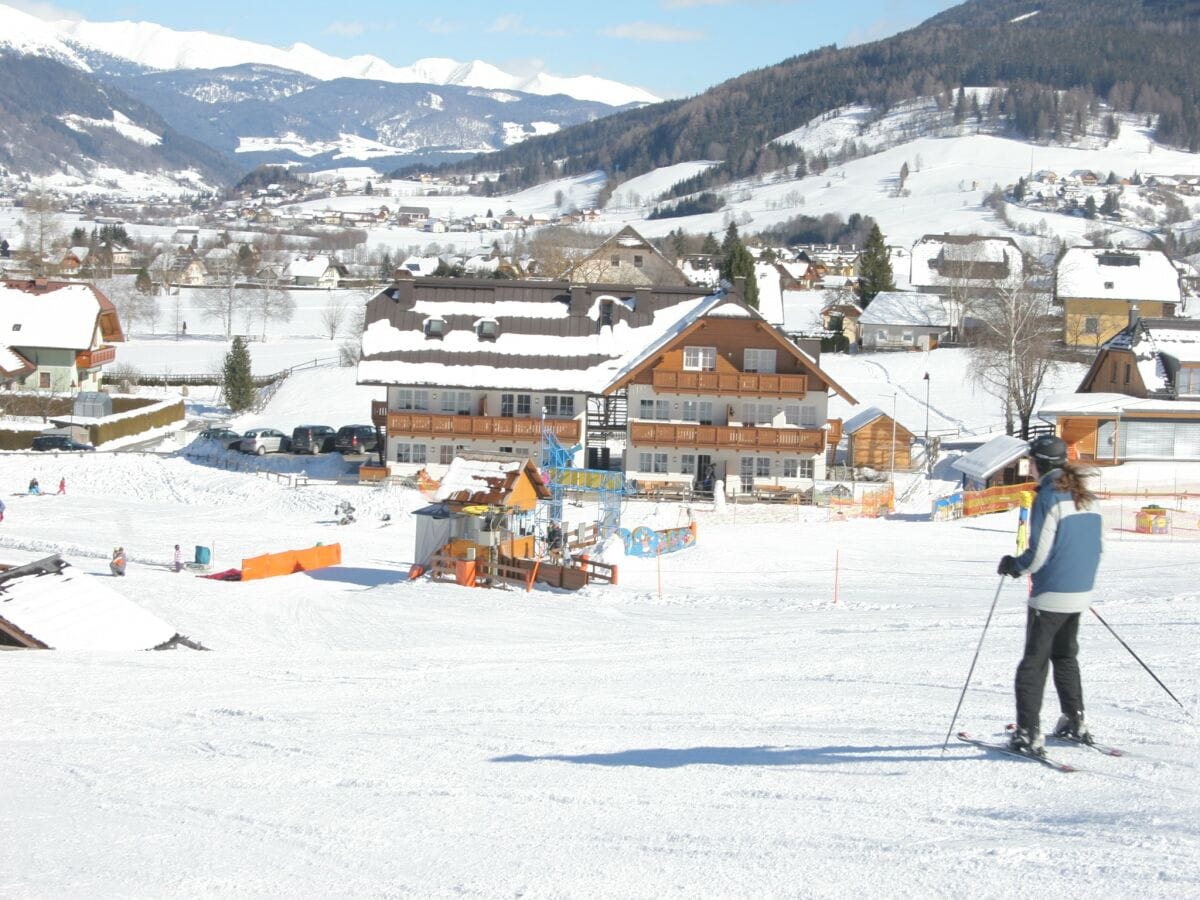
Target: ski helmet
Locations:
point(1049, 452)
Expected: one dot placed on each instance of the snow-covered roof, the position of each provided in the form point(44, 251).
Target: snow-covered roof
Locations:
point(546, 335)
point(485, 478)
point(308, 266)
point(1105, 404)
point(1088, 273)
point(946, 260)
point(901, 308)
point(63, 315)
point(862, 419)
point(802, 309)
point(983, 462)
point(69, 610)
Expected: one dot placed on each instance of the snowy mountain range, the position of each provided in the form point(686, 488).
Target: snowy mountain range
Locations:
point(152, 46)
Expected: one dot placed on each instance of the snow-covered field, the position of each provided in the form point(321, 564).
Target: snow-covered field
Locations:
point(762, 716)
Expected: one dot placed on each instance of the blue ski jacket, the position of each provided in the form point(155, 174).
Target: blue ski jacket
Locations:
point(1064, 551)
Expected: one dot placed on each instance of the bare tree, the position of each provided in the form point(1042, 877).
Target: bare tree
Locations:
point(40, 227)
point(272, 303)
point(333, 316)
point(1012, 355)
point(225, 302)
point(132, 305)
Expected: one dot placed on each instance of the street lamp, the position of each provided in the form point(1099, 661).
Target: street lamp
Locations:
point(928, 454)
point(894, 436)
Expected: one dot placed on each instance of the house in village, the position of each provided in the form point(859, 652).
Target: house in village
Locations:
point(315, 271)
point(899, 320)
point(696, 384)
point(178, 267)
point(842, 315)
point(58, 335)
point(70, 262)
point(965, 267)
point(626, 258)
point(999, 462)
point(875, 440)
point(1140, 399)
point(1097, 287)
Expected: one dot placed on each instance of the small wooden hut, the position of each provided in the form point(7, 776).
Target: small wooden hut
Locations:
point(875, 440)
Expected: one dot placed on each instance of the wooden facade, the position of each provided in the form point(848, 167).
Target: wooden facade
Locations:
point(882, 444)
point(422, 424)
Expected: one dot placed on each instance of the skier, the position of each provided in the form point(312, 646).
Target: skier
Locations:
point(62, 485)
point(1065, 543)
point(1, 510)
point(178, 559)
point(117, 564)
point(34, 487)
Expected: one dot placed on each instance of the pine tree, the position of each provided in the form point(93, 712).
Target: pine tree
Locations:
point(142, 281)
point(239, 385)
point(1089, 208)
point(737, 262)
point(874, 268)
point(385, 267)
point(710, 245)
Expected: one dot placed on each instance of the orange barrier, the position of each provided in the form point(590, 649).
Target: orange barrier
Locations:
point(871, 505)
point(997, 499)
point(272, 564)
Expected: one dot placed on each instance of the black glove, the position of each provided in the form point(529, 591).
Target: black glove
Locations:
point(1008, 566)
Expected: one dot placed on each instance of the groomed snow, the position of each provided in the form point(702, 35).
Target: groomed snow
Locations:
point(768, 722)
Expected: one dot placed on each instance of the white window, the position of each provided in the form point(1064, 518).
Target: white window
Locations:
point(758, 413)
point(759, 360)
point(797, 468)
point(655, 409)
point(808, 417)
point(1091, 325)
point(410, 453)
point(456, 402)
point(762, 467)
point(700, 411)
point(700, 359)
point(907, 337)
point(412, 399)
point(559, 406)
point(1188, 380)
point(687, 463)
point(446, 454)
point(881, 336)
point(524, 405)
point(652, 462)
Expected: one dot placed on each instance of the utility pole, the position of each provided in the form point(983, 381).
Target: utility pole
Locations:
point(928, 454)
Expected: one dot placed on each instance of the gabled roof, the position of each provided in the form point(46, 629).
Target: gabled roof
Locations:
point(861, 420)
point(62, 315)
point(1158, 347)
point(488, 479)
point(949, 259)
point(1089, 273)
point(906, 308)
point(984, 462)
point(549, 335)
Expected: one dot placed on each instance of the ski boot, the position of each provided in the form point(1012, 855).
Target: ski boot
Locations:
point(1073, 728)
point(1023, 740)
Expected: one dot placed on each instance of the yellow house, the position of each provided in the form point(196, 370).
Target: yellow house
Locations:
point(1098, 288)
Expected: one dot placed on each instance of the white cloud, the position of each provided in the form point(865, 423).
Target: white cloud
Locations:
point(47, 11)
point(513, 24)
point(442, 26)
point(649, 31)
point(344, 29)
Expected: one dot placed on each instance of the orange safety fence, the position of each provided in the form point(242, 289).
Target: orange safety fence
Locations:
point(870, 505)
point(270, 565)
point(996, 499)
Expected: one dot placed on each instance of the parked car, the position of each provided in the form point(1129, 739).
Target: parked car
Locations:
point(313, 439)
point(356, 439)
point(58, 442)
point(263, 440)
point(225, 436)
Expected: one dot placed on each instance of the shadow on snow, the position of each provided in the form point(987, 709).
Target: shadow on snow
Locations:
point(673, 758)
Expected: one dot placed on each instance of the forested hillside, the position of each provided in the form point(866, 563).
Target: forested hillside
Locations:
point(1136, 55)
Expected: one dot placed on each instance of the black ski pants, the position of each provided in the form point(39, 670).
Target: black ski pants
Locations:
point(1049, 638)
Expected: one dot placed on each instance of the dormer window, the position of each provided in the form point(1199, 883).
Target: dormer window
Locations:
point(606, 312)
point(435, 327)
point(16, 326)
point(1108, 285)
point(487, 329)
point(637, 261)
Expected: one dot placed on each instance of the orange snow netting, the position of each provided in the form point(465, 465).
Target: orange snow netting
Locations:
point(271, 564)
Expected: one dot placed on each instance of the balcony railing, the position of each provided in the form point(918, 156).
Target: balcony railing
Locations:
point(731, 383)
point(436, 425)
point(90, 359)
point(727, 437)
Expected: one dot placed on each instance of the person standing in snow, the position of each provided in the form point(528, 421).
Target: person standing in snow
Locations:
point(178, 559)
point(117, 565)
point(62, 485)
point(1065, 543)
point(34, 487)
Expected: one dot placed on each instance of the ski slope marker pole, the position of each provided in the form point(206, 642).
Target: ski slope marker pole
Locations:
point(1138, 658)
point(971, 671)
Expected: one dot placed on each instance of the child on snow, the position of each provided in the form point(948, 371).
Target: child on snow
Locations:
point(34, 487)
point(117, 565)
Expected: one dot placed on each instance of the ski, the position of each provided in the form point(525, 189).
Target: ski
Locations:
point(1099, 748)
point(1015, 754)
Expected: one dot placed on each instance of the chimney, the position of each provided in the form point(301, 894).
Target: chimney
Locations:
point(1134, 317)
point(579, 300)
point(739, 287)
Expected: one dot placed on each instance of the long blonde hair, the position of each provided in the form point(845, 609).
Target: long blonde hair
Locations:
point(1071, 477)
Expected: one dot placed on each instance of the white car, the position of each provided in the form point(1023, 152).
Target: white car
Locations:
point(260, 441)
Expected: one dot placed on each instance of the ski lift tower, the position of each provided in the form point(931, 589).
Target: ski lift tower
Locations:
point(562, 477)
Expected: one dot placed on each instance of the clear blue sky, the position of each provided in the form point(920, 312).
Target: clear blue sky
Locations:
point(673, 48)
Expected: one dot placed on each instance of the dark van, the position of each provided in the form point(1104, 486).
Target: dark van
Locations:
point(312, 439)
point(58, 442)
point(355, 439)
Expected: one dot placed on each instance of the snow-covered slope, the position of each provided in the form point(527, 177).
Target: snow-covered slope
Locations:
point(157, 47)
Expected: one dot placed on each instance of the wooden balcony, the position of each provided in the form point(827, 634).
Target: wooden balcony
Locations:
point(737, 384)
point(726, 437)
point(91, 359)
point(495, 427)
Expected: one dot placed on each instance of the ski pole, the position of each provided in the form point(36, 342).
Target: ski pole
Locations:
point(971, 671)
point(1138, 658)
